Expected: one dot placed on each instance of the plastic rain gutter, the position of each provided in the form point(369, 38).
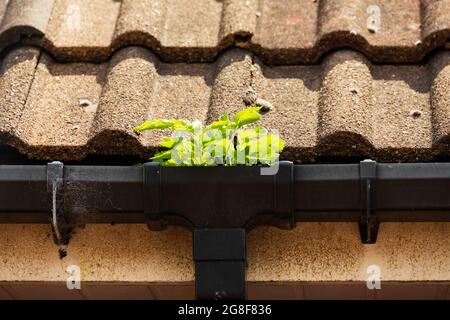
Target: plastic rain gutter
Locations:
point(220, 204)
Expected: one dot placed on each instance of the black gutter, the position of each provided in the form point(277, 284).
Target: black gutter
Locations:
point(223, 200)
point(404, 192)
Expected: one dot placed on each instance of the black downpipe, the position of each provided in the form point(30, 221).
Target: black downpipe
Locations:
point(220, 258)
point(221, 203)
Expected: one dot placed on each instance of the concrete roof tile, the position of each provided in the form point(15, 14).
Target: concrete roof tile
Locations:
point(16, 75)
point(3, 4)
point(22, 19)
point(345, 106)
point(278, 32)
point(77, 25)
point(55, 120)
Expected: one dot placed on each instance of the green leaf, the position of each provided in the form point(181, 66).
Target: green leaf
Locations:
point(221, 142)
point(224, 117)
point(269, 148)
point(197, 146)
point(155, 124)
point(221, 125)
point(219, 149)
point(182, 125)
point(218, 125)
point(267, 159)
point(261, 131)
point(179, 125)
point(197, 127)
point(170, 142)
point(170, 163)
point(272, 142)
point(183, 153)
point(162, 155)
point(247, 116)
point(211, 135)
point(245, 135)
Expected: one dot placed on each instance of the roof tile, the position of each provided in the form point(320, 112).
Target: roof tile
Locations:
point(54, 119)
point(233, 78)
point(197, 26)
point(126, 98)
point(344, 106)
point(440, 99)
point(139, 87)
point(23, 18)
point(279, 32)
point(140, 23)
point(3, 4)
point(345, 103)
point(436, 17)
point(294, 93)
point(16, 75)
point(291, 25)
point(239, 19)
point(78, 25)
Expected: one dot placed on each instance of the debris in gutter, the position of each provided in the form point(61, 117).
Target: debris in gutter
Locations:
point(265, 105)
point(251, 98)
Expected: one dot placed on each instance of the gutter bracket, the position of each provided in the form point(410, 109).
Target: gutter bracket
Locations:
point(368, 224)
point(55, 188)
point(152, 196)
point(220, 261)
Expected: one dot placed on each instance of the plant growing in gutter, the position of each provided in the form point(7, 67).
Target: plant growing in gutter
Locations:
point(223, 142)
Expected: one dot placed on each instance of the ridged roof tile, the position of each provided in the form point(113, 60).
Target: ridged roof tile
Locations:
point(345, 106)
point(278, 32)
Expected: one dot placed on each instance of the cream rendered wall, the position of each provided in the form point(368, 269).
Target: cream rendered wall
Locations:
point(312, 252)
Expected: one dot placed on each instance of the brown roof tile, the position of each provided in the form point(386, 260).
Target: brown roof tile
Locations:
point(23, 19)
point(3, 4)
point(279, 32)
point(16, 75)
point(344, 106)
point(54, 119)
point(80, 29)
